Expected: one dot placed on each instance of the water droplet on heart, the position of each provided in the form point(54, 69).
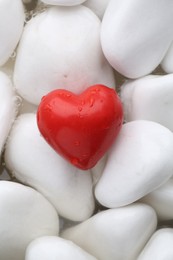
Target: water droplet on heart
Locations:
point(80, 108)
point(68, 95)
point(106, 127)
point(81, 116)
point(91, 102)
point(48, 108)
point(77, 143)
point(85, 155)
point(74, 161)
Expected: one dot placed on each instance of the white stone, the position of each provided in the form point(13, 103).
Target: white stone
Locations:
point(60, 48)
point(25, 215)
point(136, 35)
point(149, 98)
point(36, 164)
point(63, 2)
point(11, 26)
point(115, 233)
point(7, 108)
point(161, 200)
point(97, 6)
point(139, 161)
point(167, 62)
point(97, 170)
point(56, 248)
point(159, 246)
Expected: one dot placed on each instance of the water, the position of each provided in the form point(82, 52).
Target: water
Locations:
point(77, 143)
point(74, 161)
point(91, 102)
point(80, 108)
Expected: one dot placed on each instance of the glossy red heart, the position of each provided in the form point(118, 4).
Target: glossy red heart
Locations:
point(82, 127)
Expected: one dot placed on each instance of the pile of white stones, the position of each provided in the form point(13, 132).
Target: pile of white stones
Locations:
point(48, 208)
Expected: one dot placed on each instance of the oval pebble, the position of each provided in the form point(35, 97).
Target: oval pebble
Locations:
point(115, 233)
point(63, 2)
point(11, 27)
point(139, 161)
point(35, 163)
point(8, 108)
point(149, 98)
point(60, 48)
point(161, 200)
point(97, 6)
point(56, 248)
point(25, 215)
point(159, 246)
point(130, 32)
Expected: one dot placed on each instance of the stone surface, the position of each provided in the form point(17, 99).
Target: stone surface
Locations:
point(115, 233)
point(56, 248)
point(25, 215)
point(159, 246)
point(131, 35)
point(36, 164)
point(139, 161)
point(8, 107)
point(11, 26)
point(161, 200)
point(149, 98)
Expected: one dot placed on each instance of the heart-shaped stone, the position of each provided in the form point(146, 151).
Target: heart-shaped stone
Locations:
point(82, 127)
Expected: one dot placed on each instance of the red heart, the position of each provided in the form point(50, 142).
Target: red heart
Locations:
point(82, 127)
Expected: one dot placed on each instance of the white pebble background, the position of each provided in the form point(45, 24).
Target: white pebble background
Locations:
point(122, 209)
